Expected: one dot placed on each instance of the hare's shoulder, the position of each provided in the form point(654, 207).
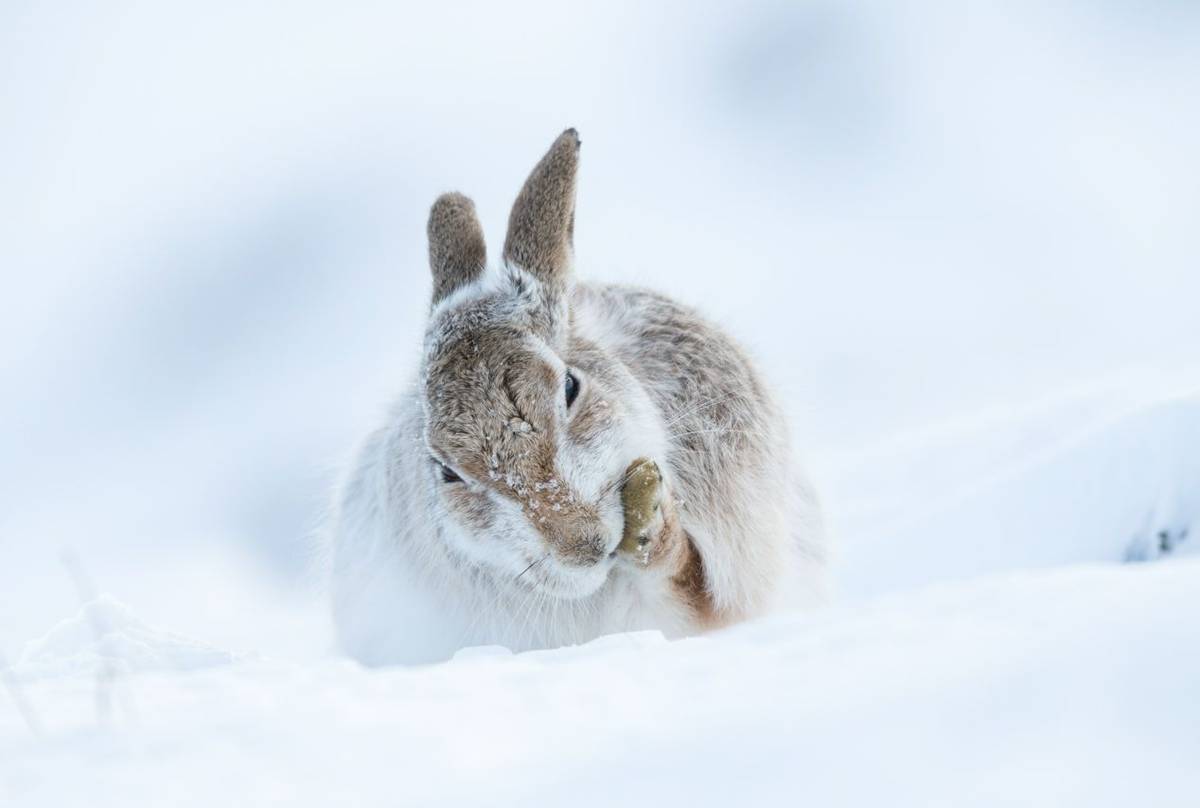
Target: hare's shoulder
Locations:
point(673, 349)
point(639, 317)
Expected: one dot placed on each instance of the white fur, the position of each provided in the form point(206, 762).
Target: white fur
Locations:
point(410, 585)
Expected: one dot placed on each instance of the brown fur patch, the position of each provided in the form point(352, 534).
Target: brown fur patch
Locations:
point(471, 506)
point(690, 585)
point(542, 223)
point(457, 253)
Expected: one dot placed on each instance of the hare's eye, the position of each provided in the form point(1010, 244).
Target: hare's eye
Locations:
point(571, 388)
point(448, 474)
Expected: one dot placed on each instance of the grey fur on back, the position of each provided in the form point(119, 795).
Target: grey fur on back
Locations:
point(486, 510)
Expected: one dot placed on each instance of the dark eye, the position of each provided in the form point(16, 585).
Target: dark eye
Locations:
point(448, 475)
point(571, 388)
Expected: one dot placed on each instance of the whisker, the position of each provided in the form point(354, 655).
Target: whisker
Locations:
point(711, 402)
point(702, 405)
point(532, 564)
point(718, 431)
point(620, 481)
point(617, 483)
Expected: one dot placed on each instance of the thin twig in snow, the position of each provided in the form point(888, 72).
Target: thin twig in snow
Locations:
point(106, 673)
point(13, 685)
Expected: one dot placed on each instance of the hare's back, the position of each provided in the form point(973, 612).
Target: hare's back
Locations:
point(704, 384)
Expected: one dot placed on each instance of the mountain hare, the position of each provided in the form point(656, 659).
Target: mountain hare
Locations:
point(574, 459)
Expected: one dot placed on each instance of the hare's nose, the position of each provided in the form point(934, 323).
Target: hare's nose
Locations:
point(586, 549)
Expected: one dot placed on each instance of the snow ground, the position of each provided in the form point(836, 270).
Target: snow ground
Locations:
point(1068, 685)
point(960, 237)
point(1072, 687)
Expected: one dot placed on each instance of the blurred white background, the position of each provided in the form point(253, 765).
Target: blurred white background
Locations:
point(212, 239)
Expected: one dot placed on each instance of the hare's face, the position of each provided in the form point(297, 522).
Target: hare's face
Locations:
point(528, 432)
point(528, 427)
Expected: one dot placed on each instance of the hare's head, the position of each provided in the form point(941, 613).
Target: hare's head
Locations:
point(529, 424)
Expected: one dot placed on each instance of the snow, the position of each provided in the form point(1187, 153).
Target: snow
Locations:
point(1067, 685)
point(1048, 487)
point(105, 636)
point(960, 238)
point(1072, 687)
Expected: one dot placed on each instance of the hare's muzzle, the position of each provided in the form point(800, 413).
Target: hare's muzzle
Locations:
point(577, 539)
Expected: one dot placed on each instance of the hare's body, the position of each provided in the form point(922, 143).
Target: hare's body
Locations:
point(489, 511)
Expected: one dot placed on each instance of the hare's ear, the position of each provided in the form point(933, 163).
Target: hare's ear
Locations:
point(541, 227)
point(457, 254)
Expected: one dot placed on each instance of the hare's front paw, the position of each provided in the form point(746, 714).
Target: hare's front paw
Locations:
point(651, 528)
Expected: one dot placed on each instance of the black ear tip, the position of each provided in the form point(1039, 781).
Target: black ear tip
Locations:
point(571, 135)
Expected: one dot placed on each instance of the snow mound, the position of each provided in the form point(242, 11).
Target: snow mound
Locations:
point(105, 637)
point(1069, 687)
point(1067, 484)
